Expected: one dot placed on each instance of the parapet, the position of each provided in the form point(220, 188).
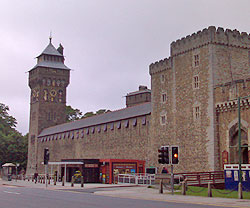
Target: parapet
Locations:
point(211, 35)
point(160, 66)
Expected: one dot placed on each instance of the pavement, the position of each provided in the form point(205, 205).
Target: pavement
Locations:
point(131, 191)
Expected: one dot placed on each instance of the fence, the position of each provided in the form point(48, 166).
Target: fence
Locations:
point(139, 178)
point(203, 178)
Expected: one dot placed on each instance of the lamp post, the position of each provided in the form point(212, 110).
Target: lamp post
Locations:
point(239, 139)
point(17, 165)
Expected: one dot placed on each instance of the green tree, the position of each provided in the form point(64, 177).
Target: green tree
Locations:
point(14, 146)
point(7, 122)
point(75, 114)
point(101, 111)
point(72, 114)
point(88, 114)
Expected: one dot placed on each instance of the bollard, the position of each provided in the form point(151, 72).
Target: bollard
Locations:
point(240, 195)
point(54, 180)
point(48, 180)
point(183, 188)
point(209, 190)
point(82, 181)
point(63, 181)
point(161, 187)
point(72, 181)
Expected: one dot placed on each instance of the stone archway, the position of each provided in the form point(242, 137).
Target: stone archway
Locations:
point(234, 146)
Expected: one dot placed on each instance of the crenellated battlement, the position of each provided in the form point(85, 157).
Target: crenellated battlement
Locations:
point(160, 66)
point(210, 35)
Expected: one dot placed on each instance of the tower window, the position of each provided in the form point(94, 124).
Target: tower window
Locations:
point(164, 98)
point(196, 60)
point(163, 119)
point(162, 78)
point(197, 112)
point(196, 82)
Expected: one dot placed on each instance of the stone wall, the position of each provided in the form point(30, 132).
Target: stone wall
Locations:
point(129, 142)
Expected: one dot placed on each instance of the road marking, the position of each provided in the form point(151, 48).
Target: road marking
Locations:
point(9, 192)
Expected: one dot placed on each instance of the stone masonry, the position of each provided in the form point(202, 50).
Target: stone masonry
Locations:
point(193, 106)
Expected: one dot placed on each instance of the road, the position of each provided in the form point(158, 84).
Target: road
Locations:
point(26, 197)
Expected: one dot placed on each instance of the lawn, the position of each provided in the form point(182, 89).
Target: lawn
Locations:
point(201, 191)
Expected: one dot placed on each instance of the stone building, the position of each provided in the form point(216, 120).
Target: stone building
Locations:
point(191, 104)
point(193, 99)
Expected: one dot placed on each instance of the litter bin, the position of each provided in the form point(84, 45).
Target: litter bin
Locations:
point(9, 177)
point(231, 172)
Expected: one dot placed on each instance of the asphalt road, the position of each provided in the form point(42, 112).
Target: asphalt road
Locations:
point(23, 197)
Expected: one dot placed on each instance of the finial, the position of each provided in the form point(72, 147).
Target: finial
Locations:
point(50, 37)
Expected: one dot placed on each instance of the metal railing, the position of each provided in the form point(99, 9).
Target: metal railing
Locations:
point(138, 178)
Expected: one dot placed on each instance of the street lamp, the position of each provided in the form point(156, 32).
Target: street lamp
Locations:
point(17, 165)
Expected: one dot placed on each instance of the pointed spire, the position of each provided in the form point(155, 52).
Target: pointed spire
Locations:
point(50, 37)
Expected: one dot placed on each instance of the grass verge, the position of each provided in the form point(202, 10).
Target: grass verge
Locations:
point(201, 191)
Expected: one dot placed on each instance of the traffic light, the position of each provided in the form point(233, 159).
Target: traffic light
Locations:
point(175, 155)
point(46, 156)
point(163, 157)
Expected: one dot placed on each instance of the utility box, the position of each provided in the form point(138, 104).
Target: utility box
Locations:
point(231, 172)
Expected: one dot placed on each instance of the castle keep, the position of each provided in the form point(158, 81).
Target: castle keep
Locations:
point(191, 104)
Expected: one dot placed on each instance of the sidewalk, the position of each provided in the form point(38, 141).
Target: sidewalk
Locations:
point(134, 192)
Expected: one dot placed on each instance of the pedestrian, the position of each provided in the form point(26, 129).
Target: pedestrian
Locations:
point(164, 170)
point(36, 176)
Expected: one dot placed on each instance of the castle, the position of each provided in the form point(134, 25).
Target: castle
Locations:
point(192, 104)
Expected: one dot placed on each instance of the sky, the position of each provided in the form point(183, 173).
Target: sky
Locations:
point(108, 44)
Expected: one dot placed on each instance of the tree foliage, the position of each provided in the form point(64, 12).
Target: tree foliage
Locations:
point(72, 114)
point(75, 114)
point(13, 146)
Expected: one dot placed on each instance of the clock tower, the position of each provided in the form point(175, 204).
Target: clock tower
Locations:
point(48, 81)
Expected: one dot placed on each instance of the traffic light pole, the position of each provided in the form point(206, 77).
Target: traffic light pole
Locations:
point(46, 173)
point(172, 179)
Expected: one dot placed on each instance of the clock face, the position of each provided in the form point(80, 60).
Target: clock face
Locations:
point(53, 93)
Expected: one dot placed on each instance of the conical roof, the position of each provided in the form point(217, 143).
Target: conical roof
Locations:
point(50, 50)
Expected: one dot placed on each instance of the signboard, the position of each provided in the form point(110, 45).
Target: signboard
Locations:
point(91, 165)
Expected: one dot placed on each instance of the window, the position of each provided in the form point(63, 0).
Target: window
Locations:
point(134, 122)
point(163, 98)
point(112, 126)
point(72, 135)
point(126, 124)
point(82, 133)
point(163, 119)
point(162, 78)
point(144, 120)
point(196, 82)
point(197, 112)
point(105, 127)
point(196, 60)
point(118, 125)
